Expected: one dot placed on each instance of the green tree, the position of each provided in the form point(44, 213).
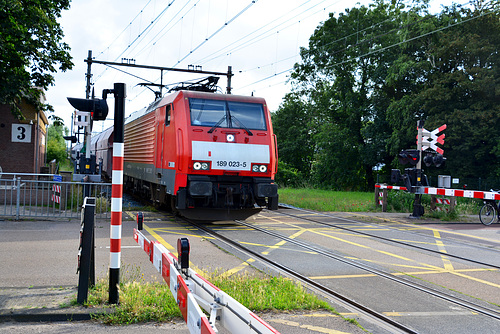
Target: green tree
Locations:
point(370, 73)
point(31, 48)
point(340, 78)
point(455, 82)
point(291, 125)
point(56, 145)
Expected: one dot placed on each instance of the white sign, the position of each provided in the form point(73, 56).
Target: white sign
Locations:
point(21, 133)
point(82, 118)
point(430, 139)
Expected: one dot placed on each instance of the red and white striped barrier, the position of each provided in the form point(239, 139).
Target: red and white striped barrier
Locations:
point(384, 186)
point(462, 193)
point(194, 289)
point(442, 204)
point(450, 192)
point(380, 198)
point(444, 201)
point(56, 196)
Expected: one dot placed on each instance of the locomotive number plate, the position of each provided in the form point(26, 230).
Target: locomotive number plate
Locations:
point(231, 163)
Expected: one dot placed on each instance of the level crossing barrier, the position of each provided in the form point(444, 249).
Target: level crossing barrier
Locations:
point(192, 291)
point(484, 195)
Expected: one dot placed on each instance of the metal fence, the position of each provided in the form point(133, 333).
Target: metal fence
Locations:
point(45, 196)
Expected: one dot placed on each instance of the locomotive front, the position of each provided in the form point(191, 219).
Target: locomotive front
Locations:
point(230, 156)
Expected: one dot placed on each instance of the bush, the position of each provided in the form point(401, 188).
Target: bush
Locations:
point(288, 176)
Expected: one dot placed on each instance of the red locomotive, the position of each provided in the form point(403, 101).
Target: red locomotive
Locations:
point(207, 156)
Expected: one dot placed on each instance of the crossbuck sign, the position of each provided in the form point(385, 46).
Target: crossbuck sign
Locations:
point(430, 139)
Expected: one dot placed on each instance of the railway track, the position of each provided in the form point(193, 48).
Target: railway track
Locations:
point(450, 298)
point(379, 318)
point(375, 317)
point(371, 235)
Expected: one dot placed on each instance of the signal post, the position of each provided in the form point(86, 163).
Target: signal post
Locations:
point(415, 181)
point(418, 209)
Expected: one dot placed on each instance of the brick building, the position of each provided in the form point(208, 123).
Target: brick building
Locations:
point(22, 142)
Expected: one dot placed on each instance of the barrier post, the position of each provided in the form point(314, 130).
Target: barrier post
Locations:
point(384, 200)
point(86, 259)
point(433, 202)
point(18, 195)
point(381, 197)
point(117, 192)
point(453, 203)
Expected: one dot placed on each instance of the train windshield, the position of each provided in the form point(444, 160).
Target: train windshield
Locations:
point(227, 114)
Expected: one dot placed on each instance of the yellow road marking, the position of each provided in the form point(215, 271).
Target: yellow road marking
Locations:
point(400, 274)
point(309, 327)
point(410, 260)
point(266, 252)
point(236, 269)
point(282, 242)
point(317, 315)
point(448, 268)
point(423, 227)
point(442, 249)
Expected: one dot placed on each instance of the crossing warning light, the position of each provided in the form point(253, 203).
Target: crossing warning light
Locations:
point(97, 107)
point(434, 159)
point(183, 252)
point(409, 157)
point(140, 221)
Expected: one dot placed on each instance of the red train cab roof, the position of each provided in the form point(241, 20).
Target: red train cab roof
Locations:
point(212, 96)
point(192, 94)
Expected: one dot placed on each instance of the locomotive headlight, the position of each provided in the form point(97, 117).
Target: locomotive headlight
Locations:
point(259, 168)
point(201, 165)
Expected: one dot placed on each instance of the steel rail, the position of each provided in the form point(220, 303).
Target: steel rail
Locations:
point(377, 236)
point(472, 306)
point(325, 290)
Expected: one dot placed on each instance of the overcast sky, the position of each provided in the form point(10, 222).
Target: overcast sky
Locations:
point(259, 39)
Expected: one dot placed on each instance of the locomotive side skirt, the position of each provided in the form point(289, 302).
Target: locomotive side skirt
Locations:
point(149, 173)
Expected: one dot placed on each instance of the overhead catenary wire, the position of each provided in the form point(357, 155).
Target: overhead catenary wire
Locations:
point(152, 43)
point(280, 73)
point(125, 29)
point(142, 34)
point(382, 48)
point(233, 48)
point(209, 37)
point(146, 30)
point(217, 31)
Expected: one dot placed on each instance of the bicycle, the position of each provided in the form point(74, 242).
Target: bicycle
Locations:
point(489, 210)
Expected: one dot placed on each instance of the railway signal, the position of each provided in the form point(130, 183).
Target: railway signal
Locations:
point(434, 159)
point(98, 108)
point(411, 157)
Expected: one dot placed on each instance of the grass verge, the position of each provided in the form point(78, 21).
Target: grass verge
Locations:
point(327, 200)
point(345, 201)
point(142, 301)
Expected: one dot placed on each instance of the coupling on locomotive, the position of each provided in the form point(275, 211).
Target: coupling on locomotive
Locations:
point(204, 155)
